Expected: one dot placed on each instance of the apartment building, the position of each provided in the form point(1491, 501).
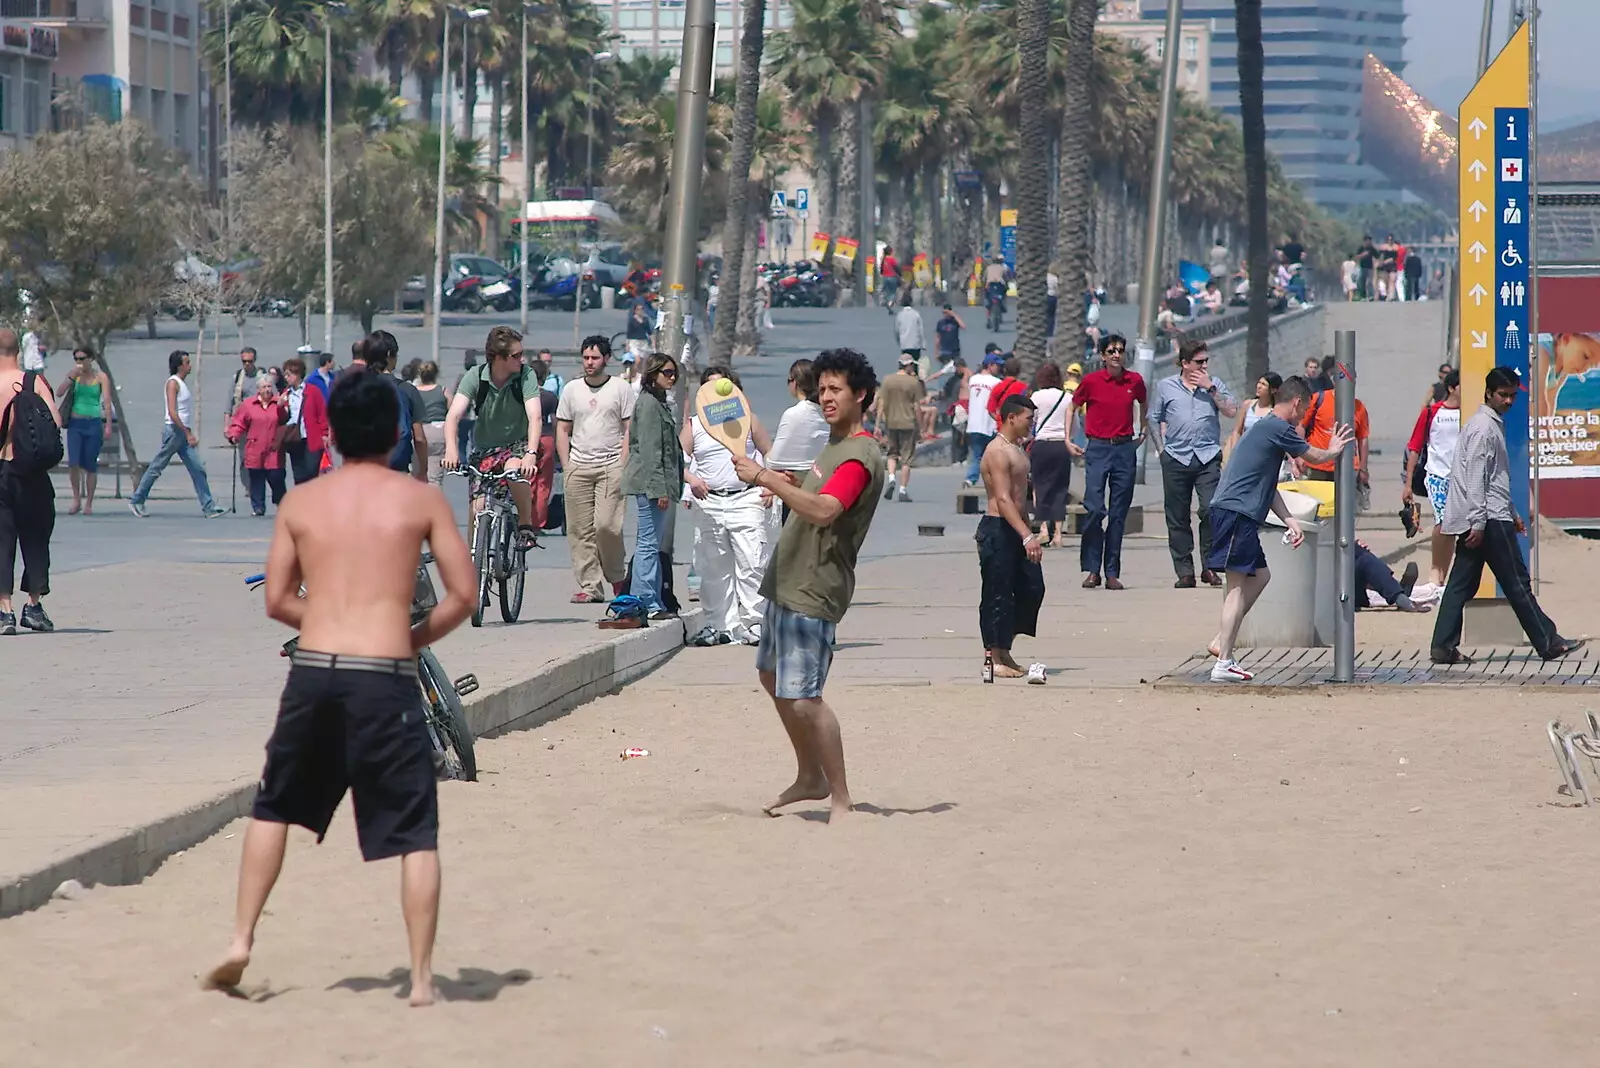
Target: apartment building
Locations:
point(1122, 18)
point(1315, 51)
point(136, 59)
point(27, 56)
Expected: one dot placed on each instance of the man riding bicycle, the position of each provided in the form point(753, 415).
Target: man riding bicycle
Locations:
point(504, 395)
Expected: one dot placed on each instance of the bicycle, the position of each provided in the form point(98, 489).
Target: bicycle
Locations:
point(995, 299)
point(449, 733)
point(496, 557)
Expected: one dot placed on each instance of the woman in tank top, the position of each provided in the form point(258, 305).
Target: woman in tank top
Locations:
point(85, 397)
point(435, 406)
point(1266, 396)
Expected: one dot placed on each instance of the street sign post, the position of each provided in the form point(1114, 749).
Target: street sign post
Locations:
point(779, 206)
point(1497, 308)
point(802, 202)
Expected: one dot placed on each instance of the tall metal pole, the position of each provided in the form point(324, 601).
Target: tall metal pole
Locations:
point(1344, 510)
point(438, 206)
point(327, 179)
point(227, 123)
point(527, 171)
point(688, 161)
point(866, 203)
point(1535, 351)
point(1486, 37)
point(1144, 362)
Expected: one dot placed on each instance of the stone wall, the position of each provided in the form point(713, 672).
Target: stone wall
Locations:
point(1293, 337)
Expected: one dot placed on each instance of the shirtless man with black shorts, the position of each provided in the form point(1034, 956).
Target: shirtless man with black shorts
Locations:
point(351, 716)
point(1008, 550)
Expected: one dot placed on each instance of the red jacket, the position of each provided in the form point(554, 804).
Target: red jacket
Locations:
point(257, 424)
point(314, 414)
point(1008, 387)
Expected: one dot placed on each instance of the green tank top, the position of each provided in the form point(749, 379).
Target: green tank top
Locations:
point(86, 401)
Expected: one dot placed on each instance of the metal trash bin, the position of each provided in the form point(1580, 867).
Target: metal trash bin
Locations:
point(1285, 615)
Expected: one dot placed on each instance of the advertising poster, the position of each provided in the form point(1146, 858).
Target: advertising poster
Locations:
point(920, 272)
point(1568, 405)
point(819, 244)
point(844, 250)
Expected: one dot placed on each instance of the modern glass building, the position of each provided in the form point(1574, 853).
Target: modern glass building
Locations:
point(1315, 50)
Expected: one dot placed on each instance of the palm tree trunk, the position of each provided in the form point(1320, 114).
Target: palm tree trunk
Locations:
point(1247, 25)
point(748, 330)
point(469, 88)
point(849, 184)
point(938, 249)
point(1033, 175)
point(496, 132)
point(397, 59)
point(1076, 182)
point(822, 200)
point(903, 224)
point(425, 86)
point(739, 191)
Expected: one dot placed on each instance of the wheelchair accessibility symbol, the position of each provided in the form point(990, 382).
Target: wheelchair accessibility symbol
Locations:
point(1511, 257)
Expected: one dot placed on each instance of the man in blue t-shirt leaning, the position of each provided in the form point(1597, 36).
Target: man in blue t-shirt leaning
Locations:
point(1247, 491)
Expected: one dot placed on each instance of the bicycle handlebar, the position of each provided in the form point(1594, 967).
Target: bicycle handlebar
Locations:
point(501, 476)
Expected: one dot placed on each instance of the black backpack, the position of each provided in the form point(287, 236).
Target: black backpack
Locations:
point(400, 456)
point(31, 427)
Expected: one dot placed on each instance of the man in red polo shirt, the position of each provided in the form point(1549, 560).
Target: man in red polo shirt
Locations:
point(1111, 459)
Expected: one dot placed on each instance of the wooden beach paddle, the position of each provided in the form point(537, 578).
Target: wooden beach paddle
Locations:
point(724, 413)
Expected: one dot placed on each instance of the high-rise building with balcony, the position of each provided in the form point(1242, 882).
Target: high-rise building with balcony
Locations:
point(136, 59)
point(1315, 50)
point(27, 54)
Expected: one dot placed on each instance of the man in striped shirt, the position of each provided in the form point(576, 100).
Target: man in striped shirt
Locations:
point(1479, 515)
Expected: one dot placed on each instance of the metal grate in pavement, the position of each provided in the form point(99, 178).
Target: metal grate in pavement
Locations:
point(1492, 668)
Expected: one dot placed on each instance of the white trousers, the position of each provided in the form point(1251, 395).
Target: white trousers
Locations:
point(731, 555)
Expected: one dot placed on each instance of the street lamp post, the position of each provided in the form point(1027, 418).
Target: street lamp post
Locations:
point(588, 157)
point(444, 145)
point(527, 172)
point(227, 121)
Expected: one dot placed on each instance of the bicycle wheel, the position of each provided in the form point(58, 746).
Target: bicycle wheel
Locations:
point(483, 560)
point(513, 575)
point(446, 720)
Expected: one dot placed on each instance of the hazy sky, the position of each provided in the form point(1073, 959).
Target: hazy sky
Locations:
point(1442, 53)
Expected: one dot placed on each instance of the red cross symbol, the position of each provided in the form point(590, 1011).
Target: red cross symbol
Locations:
point(1511, 169)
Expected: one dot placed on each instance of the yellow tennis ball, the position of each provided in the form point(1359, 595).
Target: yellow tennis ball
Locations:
point(724, 388)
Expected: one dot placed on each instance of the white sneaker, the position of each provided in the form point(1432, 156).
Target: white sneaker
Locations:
point(1229, 671)
point(1036, 674)
point(1426, 592)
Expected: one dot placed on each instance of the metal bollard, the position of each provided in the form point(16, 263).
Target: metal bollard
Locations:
point(1344, 509)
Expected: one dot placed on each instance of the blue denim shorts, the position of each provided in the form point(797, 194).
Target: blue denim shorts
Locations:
point(797, 649)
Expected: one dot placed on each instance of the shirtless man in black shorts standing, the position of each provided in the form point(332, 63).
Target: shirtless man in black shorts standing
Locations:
point(351, 716)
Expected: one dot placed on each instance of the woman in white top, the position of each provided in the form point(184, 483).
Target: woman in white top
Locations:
point(802, 430)
point(1266, 396)
point(1052, 463)
point(733, 530)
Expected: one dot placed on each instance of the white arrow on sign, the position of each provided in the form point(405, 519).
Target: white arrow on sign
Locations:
point(1477, 169)
point(1477, 211)
point(1478, 251)
point(1480, 339)
point(1478, 128)
point(1477, 293)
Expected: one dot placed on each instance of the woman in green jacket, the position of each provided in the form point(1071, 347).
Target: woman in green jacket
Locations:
point(653, 477)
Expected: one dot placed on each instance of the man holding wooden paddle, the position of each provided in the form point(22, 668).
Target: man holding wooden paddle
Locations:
point(811, 579)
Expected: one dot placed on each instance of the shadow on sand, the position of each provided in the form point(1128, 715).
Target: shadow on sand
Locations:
point(470, 984)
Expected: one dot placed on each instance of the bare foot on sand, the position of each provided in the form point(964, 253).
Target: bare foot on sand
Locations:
point(840, 810)
point(423, 992)
point(1006, 671)
point(802, 790)
point(228, 974)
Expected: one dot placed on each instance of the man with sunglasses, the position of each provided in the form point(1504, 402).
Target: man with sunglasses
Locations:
point(1111, 457)
point(1187, 412)
point(1479, 514)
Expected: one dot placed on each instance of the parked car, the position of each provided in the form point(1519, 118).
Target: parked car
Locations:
point(494, 281)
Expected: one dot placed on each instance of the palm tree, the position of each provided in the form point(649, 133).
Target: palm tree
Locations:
point(1075, 167)
point(751, 39)
point(822, 60)
point(398, 29)
point(639, 169)
point(1033, 170)
point(277, 59)
point(1252, 114)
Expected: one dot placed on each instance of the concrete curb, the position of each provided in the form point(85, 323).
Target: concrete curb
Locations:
point(553, 691)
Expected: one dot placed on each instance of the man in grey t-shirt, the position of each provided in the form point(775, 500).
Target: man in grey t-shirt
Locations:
point(1248, 490)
